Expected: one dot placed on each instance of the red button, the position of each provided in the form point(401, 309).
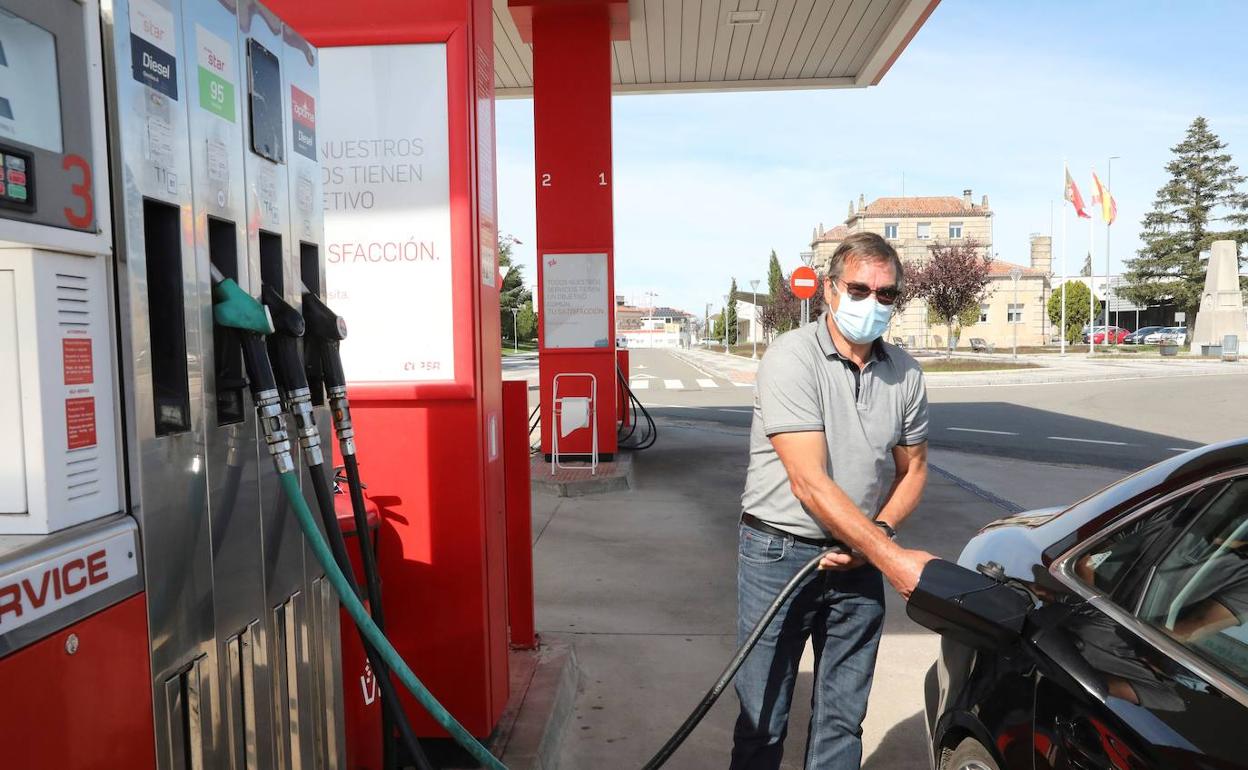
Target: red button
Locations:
point(17, 177)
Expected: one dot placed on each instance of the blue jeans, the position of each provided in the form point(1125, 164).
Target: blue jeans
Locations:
point(843, 612)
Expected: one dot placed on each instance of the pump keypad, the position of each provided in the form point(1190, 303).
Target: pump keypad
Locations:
point(16, 181)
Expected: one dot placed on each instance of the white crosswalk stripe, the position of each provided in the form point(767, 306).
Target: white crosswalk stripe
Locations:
point(705, 382)
point(744, 384)
point(673, 384)
point(639, 384)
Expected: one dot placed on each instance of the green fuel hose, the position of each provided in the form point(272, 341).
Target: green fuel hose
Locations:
point(399, 667)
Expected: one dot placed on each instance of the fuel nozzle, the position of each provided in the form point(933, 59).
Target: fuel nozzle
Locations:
point(326, 329)
point(292, 379)
point(235, 309)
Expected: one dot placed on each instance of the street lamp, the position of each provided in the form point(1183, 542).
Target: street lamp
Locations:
point(1015, 274)
point(515, 330)
point(1109, 182)
point(723, 322)
point(706, 325)
point(754, 319)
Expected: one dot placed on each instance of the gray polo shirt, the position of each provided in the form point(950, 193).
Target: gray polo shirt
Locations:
point(804, 384)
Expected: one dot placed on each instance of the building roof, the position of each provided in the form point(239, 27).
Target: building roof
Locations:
point(923, 206)
point(1000, 269)
point(835, 235)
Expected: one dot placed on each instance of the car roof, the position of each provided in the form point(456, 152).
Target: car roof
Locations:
point(1093, 513)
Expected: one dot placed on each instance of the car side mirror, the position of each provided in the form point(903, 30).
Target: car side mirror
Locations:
point(972, 608)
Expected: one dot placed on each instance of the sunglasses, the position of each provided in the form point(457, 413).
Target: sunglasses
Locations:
point(885, 295)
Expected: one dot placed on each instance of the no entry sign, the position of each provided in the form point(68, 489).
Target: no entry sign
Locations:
point(803, 282)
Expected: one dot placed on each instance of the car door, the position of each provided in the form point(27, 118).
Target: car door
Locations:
point(1151, 670)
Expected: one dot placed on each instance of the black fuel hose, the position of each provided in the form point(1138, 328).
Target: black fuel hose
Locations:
point(660, 758)
point(338, 545)
point(326, 329)
point(651, 433)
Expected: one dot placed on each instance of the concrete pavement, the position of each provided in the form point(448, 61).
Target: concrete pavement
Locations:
point(643, 584)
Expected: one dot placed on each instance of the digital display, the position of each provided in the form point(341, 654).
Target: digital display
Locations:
point(30, 95)
point(265, 81)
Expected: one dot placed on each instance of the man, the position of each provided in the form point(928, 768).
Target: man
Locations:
point(833, 404)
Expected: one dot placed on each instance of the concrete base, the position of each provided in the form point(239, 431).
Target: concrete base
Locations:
point(531, 730)
point(613, 476)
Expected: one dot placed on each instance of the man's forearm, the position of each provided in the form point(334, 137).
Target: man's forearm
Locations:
point(905, 495)
point(838, 514)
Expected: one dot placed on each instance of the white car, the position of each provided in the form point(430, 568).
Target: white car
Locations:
point(1168, 334)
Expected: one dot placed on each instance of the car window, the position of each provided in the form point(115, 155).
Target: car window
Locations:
point(1117, 565)
point(1198, 592)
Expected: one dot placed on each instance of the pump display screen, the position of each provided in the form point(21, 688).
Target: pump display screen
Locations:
point(265, 80)
point(30, 94)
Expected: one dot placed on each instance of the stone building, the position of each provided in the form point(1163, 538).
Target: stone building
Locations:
point(912, 225)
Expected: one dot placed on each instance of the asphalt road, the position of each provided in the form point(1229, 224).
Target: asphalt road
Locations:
point(1124, 425)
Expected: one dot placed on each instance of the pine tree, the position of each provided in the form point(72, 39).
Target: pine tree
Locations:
point(775, 276)
point(1204, 191)
point(730, 314)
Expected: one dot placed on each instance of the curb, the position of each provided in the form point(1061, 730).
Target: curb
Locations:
point(614, 476)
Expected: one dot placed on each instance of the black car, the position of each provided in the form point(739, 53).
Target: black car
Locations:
point(1113, 634)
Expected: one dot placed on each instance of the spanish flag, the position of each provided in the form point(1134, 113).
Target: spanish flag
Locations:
point(1072, 195)
point(1109, 207)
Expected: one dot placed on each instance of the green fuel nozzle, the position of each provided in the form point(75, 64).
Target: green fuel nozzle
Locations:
point(235, 309)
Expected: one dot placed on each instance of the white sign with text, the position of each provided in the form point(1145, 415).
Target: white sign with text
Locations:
point(385, 162)
point(575, 302)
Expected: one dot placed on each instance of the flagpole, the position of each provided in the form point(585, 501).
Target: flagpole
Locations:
point(1109, 184)
point(1091, 283)
point(1065, 274)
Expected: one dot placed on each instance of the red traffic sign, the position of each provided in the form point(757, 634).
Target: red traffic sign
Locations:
point(803, 282)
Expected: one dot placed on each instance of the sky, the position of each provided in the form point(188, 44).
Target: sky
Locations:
point(989, 95)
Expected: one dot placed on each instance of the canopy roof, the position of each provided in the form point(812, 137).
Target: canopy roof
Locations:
point(728, 45)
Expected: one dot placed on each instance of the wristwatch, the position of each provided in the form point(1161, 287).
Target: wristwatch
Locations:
point(888, 529)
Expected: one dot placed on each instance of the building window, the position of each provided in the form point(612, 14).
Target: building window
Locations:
point(1015, 313)
point(983, 313)
point(925, 230)
point(890, 230)
point(955, 230)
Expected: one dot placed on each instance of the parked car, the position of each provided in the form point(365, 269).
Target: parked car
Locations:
point(1168, 334)
point(1113, 634)
point(1137, 337)
point(1115, 335)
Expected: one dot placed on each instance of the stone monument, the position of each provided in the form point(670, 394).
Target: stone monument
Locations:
point(1221, 303)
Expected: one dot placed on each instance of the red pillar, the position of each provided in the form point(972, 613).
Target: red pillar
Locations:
point(572, 138)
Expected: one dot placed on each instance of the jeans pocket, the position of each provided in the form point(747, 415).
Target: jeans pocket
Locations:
point(761, 548)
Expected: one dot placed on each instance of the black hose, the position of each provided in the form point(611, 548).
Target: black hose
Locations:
point(651, 433)
point(372, 583)
point(389, 696)
point(708, 700)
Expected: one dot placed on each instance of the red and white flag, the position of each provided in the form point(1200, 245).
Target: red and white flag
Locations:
point(1072, 195)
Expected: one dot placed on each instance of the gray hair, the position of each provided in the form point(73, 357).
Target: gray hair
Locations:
point(864, 247)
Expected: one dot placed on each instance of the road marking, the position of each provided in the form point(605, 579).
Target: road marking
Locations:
point(1180, 448)
point(639, 384)
point(705, 383)
point(744, 384)
point(673, 384)
point(642, 377)
point(1089, 441)
point(981, 430)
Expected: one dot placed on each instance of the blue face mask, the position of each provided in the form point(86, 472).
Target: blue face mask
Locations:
point(862, 320)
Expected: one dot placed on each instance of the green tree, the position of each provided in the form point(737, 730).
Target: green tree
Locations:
point(526, 319)
point(775, 276)
point(1202, 202)
point(730, 314)
point(513, 292)
point(1076, 309)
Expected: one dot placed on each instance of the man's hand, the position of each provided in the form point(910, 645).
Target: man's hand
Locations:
point(903, 569)
point(838, 561)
